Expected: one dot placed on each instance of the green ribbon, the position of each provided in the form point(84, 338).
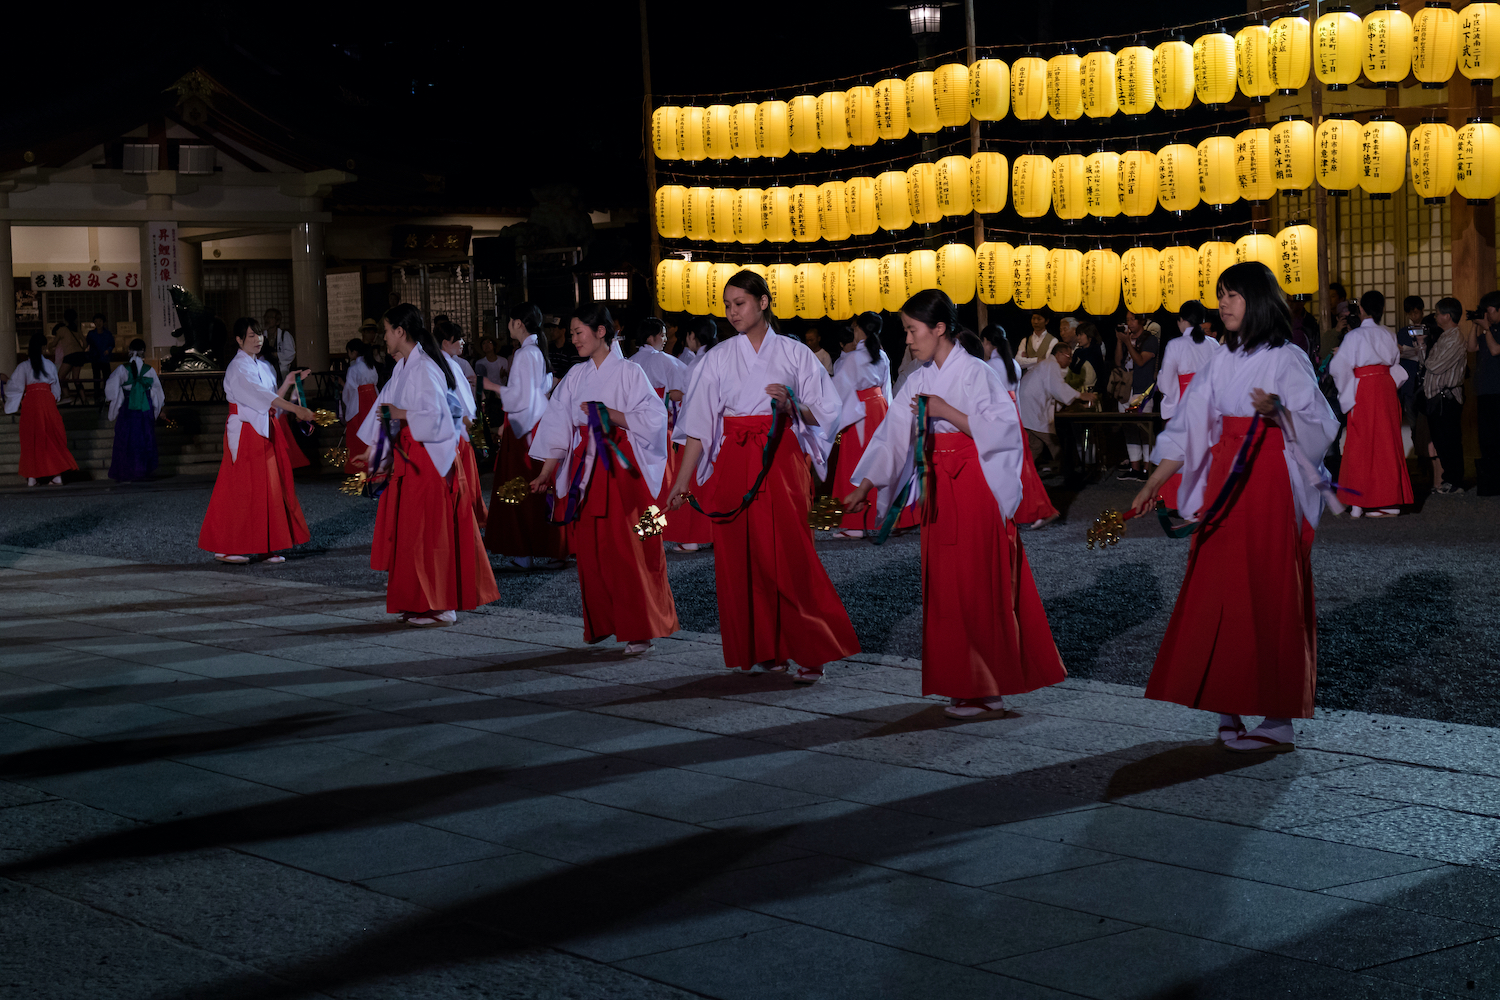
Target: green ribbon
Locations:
point(919, 477)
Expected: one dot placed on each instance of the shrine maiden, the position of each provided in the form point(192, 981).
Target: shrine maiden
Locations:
point(686, 528)
point(1367, 370)
point(1183, 358)
point(254, 508)
point(776, 602)
point(451, 339)
point(1242, 639)
point(862, 379)
point(603, 492)
point(135, 400)
point(1035, 510)
point(984, 632)
point(34, 389)
point(361, 382)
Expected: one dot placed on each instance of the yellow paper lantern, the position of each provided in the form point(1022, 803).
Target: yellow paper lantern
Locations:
point(1101, 183)
point(953, 194)
point(1336, 152)
point(1338, 47)
point(1140, 280)
point(671, 206)
point(859, 205)
point(864, 285)
point(1214, 68)
point(921, 190)
point(747, 220)
point(1253, 169)
point(1252, 61)
point(1028, 277)
point(957, 271)
point(781, 279)
point(1064, 280)
point(695, 287)
point(690, 134)
point(695, 213)
point(859, 115)
point(951, 85)
point(756, 269)
point(721, 215)
point(921, 103)
point(776, 214)
point(719, 275)
point(1065, 86)
point(716, 118)
point(807, 291)
point(833, 120)
point(1216, 176)
point(1477, 161)
point(1382, 159)
point(921, 271)
point(833, 220)
point(989, 90)
point(742, 131)
point(1291, 54)
point(1434, 160)
point(1296, 266)
point(989, 178)
point(806, 225)
point(1137, 188)
point(890, 109)
point(1100, 281)
point(669, 283)
point(1479, 35)
point(1177, 177)
point(1177, 268)
point(1213, 258)
point(1257, 246)
point(1100, 99)
point(802, 123)
point(1028, 88)
point(1292, 153)
point(1172, 73)
point(893, 282)
point(1388, 41)
point(1135, 80)
point(992, 264)
point(664, 133)
point(1069, 197)
point(836, 291)
point(1031, 185)
point(773, 134)
point(892, 203)
point(1434, 44)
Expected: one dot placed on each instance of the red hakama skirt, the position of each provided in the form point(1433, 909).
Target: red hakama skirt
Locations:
point(1374, 462)
point(776, 602)
point(623, 576)
point(685, 526)
point(254, 506)
point(44, 440)
point(1035, 503)
point(521, 529)
point(1243, 638)
point(1174, 482)
point(851, 450)
point(465, 460)
point(355, 461)
point(984, 631)
point(427, 539)
point(281, 426)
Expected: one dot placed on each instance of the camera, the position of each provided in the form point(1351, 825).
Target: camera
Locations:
point(1474, 314)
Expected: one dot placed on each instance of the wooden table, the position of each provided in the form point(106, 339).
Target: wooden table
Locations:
point(189, 383)
point(1072, 426)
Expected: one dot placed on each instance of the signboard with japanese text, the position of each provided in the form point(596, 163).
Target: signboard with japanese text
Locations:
point(85, 281)
point(164, 273)
point(428, 242)
point(345, 289)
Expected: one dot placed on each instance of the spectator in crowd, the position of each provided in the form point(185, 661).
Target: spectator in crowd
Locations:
point(1415, 332)
point(1041, 392)
point(69, 353)
point(1337, 296)
point(1067, 329)
point(813, 339)
point(1136, 347)
point(279, 341)
point(1088, 353)
point(1305, 333)
point(101, 344)
point(1038, 345)
point(1486, 340)
point(1443, 384)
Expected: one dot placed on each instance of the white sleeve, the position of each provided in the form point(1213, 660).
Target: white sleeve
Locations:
point(112, 387)
point(555, 436)
point(427, 414)
point(16, 387)
point(516, 394)
point(815, 391)
point(645, 426)
point(249, 394)
point(995, 425)
point(1166, 379)
point(1057, 389)
point(50, 370)
point(888, 461)
point(158, 393)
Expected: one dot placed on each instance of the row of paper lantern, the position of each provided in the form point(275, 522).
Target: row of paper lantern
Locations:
point(1033, 277)
point(1262, 59)
point(1339, 155)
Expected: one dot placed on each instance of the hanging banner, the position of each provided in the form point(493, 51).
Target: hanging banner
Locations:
point(85, 281)
point(164, 273)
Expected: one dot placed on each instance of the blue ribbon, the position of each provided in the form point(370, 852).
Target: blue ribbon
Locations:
point(779, 419)
point(605, 452)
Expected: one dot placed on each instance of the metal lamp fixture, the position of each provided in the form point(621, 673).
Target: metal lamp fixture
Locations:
point(926, 18)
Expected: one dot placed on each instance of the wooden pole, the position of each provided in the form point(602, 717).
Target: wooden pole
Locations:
point(650, 153)
point(1320, 222)
point(982, 311)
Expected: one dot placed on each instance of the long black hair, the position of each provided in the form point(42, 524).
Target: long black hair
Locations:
point(243, 326)
point(1192, 311)
point(408, 318)
point(36, 349)
point(1268, 319)
point(530, 317)
point(932, 306)
point(595, 315)
point(704, 330)
point(365, 350)
point(969, 341)
point(871, 324)
point(994, 335)
point(755, 285)
point(651, 326)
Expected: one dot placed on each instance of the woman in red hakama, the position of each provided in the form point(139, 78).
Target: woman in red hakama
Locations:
point(1367, 370)
point(622, 574)
point(776, 602)
point(984, 631)
point(426, 535)
point(687, 528)
point(1036, 510)
point(862, 379)
point(34, 389)
point(254, 508)
point(360, 389)
point(1183, 358)
point(1242, 639)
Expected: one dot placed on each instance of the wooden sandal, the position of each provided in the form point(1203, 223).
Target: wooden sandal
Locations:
point(1268, 745)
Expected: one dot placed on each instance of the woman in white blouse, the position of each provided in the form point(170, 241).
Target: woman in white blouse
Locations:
point(360, 389)
point(34, 389)
point(862, 379)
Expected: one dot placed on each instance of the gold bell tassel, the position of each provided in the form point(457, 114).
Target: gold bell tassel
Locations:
point(652, 522)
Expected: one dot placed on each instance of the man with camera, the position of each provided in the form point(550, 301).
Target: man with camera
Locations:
point(1485, 339)
point(1445, 363)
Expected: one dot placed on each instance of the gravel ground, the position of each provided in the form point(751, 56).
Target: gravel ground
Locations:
point(1407, 624)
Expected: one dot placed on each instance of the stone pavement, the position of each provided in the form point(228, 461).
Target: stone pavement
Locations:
point(218, 784)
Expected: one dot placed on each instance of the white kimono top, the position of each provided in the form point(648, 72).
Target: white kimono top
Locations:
point(1366, 344)
point(524, 395)
point(852, 372)
point(251, 385)
point(620, 385)
point(1041, 388)
point(1011, 381)
point(1183, 357)
point(360, 372)
point(972, 387)
point(114, 387)
point(730, 381)
point(418, 387)
point(24, 376)
point(664, 371)
point(462, 395)
point(1223, 390)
